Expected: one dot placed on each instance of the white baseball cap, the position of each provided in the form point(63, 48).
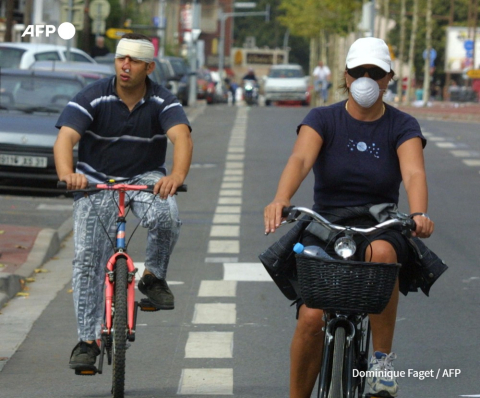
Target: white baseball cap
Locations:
point(369, 51)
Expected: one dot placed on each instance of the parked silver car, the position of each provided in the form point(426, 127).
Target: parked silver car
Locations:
point(23, 55)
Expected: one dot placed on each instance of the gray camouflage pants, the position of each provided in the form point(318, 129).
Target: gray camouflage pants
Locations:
point(93, 248)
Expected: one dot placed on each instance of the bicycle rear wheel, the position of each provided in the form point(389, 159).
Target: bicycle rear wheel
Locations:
point(119, 332)
point(336, 382)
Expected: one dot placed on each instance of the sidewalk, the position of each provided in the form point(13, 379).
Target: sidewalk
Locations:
point(25, 249)
point(447, 111)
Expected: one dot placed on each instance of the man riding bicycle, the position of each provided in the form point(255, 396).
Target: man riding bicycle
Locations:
point(360, 150)
point(121, 125)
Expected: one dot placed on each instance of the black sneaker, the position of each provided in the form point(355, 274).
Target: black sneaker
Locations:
point(84, 355)
point(157, 291)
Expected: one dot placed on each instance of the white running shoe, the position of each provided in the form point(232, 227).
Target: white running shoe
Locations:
point(382, 381)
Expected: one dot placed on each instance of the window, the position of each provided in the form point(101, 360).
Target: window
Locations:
point(47, 56)
point(76, 57)
point(10, 57)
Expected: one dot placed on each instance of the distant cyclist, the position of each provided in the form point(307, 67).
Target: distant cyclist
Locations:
point(250, 75)
point(121, 125)
point(360, 151)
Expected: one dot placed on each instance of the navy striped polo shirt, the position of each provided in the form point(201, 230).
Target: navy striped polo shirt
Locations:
point(116, 143)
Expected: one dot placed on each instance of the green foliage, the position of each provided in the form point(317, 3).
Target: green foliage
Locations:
point(307, 18)
point(440, 22)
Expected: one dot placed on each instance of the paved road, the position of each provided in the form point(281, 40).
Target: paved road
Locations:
point(230, 332)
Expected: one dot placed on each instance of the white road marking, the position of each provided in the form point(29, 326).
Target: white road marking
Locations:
point(445, 145)
point(228, 210)
point(206, 382)
point(209, 345)
point(436, 139)
point(246, 272)
point(236, 149)
point(233, 178)
point(227, 231)
point(230, 185)
point(221, 259)
point(232, 156)
point(464, 154)
point(226, 219)
point(58, 207)
point(224, 246)
point(229, 201)
point(230, 192)
point(234, 165)
point(472, 162)
point(217, 289)
point(234, 172)
point(215, 314)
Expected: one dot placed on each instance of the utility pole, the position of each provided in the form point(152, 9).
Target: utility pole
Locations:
point(428, 42)
point(192, 52)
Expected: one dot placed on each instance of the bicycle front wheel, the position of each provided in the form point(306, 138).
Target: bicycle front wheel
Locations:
point(119, 332)
point(336, 381)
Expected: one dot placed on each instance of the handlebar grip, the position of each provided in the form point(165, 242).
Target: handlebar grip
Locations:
point(182, 188)
point(411, 224)
point(286, 211)
point(61, 185)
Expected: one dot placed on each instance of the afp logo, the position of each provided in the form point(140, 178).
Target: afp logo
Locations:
point(66, 30)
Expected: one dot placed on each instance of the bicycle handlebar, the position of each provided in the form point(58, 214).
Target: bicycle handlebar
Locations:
point(291, 213)
point(115, 187)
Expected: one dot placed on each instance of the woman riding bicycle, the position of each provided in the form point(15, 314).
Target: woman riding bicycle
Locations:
point(360, 150)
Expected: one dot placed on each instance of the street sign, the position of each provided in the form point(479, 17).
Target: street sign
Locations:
point(473, 73)
point(250, 4)
point(99, 9)
point(77, 15)
point(117, 33)
point(468, 45)
point(99, 26)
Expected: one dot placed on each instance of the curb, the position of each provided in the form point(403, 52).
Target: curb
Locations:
point(47, 244)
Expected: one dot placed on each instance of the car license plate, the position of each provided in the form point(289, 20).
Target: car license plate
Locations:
point(23, 161)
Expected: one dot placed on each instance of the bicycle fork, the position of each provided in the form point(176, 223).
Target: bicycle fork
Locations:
point(346, 389)
point(132, 305)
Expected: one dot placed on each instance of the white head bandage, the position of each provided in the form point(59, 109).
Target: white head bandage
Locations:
point(142, 50)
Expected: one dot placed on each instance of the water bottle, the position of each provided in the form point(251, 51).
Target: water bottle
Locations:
point(311, 251)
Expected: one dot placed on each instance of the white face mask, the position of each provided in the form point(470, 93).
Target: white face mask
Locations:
point(365, 91)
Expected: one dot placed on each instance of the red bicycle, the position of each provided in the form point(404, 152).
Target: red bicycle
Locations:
point(120, 305)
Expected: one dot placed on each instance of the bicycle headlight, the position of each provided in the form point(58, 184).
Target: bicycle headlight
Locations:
point(345, 247)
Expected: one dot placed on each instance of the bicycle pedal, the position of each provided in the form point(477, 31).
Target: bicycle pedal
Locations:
point(147, 306)
point(86, 370)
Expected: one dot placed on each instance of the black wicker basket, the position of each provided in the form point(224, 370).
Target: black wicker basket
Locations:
point(345, 286)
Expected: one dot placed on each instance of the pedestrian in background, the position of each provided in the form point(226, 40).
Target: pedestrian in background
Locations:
point(321, 81)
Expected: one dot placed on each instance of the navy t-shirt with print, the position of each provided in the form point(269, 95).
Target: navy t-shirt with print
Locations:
point(358, 163)
point(116, 142)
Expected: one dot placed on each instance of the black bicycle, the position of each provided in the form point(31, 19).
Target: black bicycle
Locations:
point(347, 291)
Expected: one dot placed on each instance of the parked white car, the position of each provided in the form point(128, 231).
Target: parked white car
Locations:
point(286, 82)
point(23, 55)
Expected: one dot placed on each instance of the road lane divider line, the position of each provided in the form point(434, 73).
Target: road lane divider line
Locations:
point(217, 288)
point(206, 382)
point(245, 272)
point(209, 345)
point(215, 314)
